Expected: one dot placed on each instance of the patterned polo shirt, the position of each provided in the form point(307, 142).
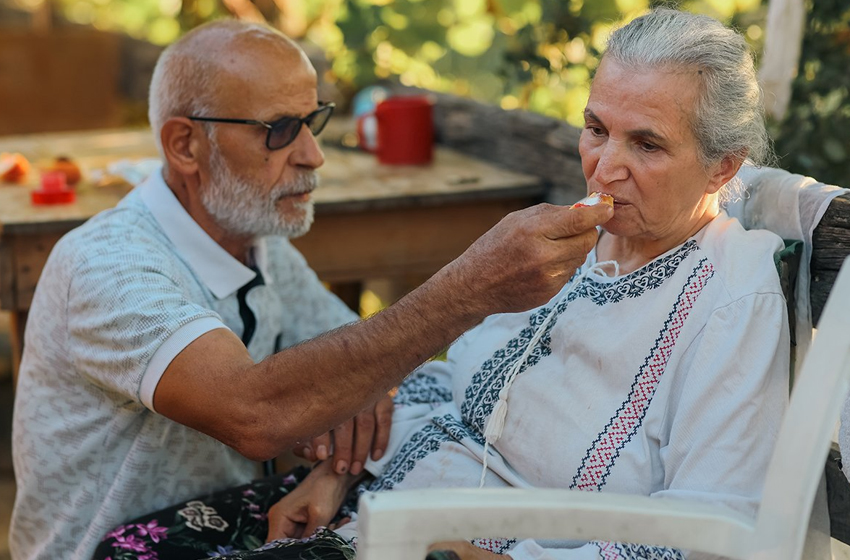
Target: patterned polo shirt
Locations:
point(119, 298)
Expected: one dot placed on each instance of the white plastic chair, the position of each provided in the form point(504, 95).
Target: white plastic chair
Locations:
point(401, 525)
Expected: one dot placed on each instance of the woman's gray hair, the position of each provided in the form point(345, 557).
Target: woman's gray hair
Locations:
point(729, 114)
point(183, 82)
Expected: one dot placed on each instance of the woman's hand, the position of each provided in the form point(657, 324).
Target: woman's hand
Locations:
point(465, 550)
point(312, 504)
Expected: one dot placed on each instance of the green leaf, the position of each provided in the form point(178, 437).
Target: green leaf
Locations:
point(250, 542)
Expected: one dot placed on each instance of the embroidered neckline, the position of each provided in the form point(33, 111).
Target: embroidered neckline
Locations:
point(482, 393)
point(635, 283)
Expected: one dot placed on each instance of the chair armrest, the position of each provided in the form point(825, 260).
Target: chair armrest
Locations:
point(402, 524)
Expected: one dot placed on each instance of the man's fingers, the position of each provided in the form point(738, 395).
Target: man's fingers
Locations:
point(562, 221)
point(305, 452)
point(321, 446)
point(383, 423)
point(365, 431)
point(343, 439)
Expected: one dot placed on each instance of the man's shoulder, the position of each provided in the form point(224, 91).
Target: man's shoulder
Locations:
point(127, 228)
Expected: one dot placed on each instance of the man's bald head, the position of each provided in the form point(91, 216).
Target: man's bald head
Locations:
point(189, 74)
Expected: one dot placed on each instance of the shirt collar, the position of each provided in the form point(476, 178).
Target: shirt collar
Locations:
point(215, 267)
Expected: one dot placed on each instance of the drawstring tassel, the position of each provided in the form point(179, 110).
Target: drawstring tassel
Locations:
point(496, 422)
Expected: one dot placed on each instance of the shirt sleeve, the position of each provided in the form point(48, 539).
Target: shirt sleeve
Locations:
point(123, 306)
point(722, 420)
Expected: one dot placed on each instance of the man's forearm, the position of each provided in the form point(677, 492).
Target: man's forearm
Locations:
point(306, 393)
point(262, 409)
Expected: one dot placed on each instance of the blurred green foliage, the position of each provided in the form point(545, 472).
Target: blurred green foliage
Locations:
point(532, 54)
point(814, 137)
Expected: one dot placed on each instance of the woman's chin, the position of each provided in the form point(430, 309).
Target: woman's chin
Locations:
point(618, 228)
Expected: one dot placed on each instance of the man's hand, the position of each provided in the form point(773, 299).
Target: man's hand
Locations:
point(464, 550)
point(312, 504)
point(521, 263)
point(525, 259)
point(353, 441)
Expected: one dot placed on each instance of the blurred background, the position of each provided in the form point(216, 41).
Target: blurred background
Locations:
point(86, 64)
point(91, 58)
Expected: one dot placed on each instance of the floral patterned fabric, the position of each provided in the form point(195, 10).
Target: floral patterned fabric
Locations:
point(231, 524)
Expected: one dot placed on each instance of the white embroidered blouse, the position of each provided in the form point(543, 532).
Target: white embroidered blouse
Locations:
point(668, 381)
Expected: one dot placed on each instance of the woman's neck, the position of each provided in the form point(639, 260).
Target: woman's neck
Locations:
point(631, 253)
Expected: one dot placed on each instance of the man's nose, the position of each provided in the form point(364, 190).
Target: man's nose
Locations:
point(612, 163)
point(306, 152)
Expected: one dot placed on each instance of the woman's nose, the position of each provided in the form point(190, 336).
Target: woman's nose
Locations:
point(612, 166)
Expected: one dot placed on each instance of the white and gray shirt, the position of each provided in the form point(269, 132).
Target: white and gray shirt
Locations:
point(119, 298)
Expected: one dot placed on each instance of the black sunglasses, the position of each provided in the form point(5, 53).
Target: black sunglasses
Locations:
point(284, 131)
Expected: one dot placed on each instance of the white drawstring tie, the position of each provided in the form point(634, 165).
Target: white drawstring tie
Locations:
point(496, 422)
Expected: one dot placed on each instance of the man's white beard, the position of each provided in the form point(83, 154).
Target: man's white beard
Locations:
point(242, 208)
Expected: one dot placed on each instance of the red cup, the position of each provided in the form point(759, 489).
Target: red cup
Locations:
point(54, 190)
point(405, 130)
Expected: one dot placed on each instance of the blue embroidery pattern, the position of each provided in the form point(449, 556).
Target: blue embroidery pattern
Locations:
point(635, 284)
point(483, 391)
point(422, 388)
point(622, 551)
point(420, 445)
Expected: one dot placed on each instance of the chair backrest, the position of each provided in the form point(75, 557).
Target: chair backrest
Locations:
point(805, 435)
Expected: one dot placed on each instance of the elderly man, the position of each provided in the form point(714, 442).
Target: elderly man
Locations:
point(153, 369)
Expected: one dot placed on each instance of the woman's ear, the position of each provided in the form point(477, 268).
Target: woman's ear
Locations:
point(180, 143)
point(723, 172)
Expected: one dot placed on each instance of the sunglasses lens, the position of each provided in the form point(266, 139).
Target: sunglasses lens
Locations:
point(283, 132)
point(319, 119)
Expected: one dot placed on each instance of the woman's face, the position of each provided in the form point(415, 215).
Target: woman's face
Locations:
point(637, 145)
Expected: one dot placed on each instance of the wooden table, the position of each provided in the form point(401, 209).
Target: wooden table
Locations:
point(373, 221)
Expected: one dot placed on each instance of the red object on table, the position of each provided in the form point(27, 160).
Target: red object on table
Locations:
point(405, 130)
point(54, 190)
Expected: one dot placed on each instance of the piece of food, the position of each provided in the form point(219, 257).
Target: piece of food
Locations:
point(13, 168)
point(69, 168)
point(593, 199)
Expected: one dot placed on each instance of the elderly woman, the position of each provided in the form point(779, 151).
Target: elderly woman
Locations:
point(661, 369)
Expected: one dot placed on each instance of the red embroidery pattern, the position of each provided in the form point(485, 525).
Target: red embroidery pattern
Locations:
point(498, 546)
point(599, 459)
point(608, 551)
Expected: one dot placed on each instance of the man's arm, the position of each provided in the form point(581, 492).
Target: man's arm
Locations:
point(261, 410)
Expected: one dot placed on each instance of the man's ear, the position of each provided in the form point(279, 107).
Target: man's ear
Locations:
point(723, 172)
point(180, 145)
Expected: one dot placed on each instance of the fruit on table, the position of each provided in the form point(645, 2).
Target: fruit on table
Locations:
point(13, 168)
point(67, 166)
